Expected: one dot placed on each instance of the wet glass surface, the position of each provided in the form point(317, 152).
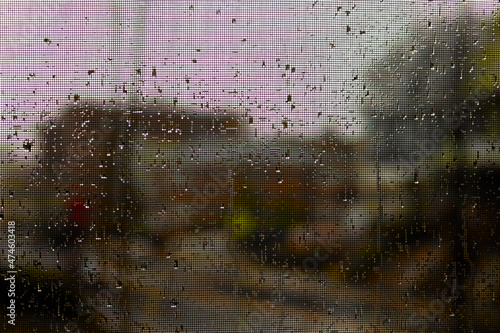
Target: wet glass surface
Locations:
point(249, 167)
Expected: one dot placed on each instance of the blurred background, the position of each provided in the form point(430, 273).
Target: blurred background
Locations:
point(251, 166)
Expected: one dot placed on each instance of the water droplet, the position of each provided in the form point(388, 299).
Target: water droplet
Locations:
point(173, 303)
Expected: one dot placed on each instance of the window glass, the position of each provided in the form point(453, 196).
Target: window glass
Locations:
point(285, 166)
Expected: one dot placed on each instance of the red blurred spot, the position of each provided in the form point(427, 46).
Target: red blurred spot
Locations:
point(78, 211)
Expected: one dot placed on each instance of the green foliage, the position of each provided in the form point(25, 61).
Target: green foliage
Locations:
point(484, 73)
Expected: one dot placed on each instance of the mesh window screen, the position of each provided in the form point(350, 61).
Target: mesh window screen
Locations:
point(249, 166)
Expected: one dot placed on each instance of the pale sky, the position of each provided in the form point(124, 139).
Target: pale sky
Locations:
point(228, 51)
